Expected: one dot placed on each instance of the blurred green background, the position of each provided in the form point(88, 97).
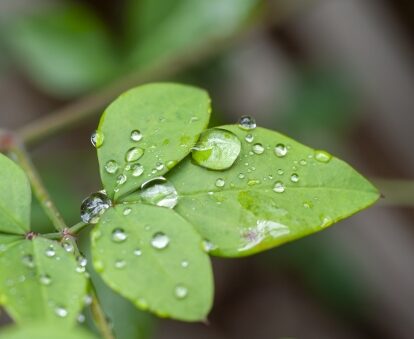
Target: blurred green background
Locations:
point(334, 74)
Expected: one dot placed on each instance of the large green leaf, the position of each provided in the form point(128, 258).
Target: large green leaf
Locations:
point(161, 29)
point(250, 213)
point(39, 281)
point(64, 49)
point(15, 198)
point(170, 119)
point(154, 258)
point(44, 331)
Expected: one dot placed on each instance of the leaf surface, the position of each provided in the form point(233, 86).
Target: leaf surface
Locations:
point(172, 280)
point(267, 200)
point(44, 331)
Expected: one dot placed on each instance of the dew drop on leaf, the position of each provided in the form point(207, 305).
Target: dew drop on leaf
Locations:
point(82, 262)
point(184, 263)
point(247, 122)
point(137, 170)
point(68, 246)
point(111, 166)
point(279, 187)
point(61, 311)
point(97, 139)
point(160, 240)
point(50, 251)
point(249, 138)
point(181, 291)
point(27, 260)
point(159, 166)
point(322, 156)
point(258, 148)
point(133, 154)
point(81, 318)
point(281, 150)
point(280, 172)
point(120, 263)
point(208, 246)
point(127, 211)
point(45, 279)
point(137, 252)
point(121, 179)
point(294, 177)
point(136, 135)
point(87, 300)
point(217, 149)
point(159, 192)
point(220, 182)
point(119, 235)
point(94, 206)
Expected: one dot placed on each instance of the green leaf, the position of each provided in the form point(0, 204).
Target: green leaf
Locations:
point(15, 198)
point(36, 285)
point(163, 29)
point(267, 200)
point(65, 49)
point(170, 119)
point(154, 258)
point(44, 331)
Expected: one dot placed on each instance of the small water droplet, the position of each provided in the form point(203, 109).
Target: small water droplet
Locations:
point(133, 154)
point(27, 260)
point(136, 135)
point(281, 150)
point(279, 187)
point(160, 240)
point(208, 246)
point(294, 177)
point(50, 251)
point(159, 166)
point(127, 211)
point(220, 182)
point(326, 221)
point(97, 139)
point(121, 179)
point(45, 279)
point(322, 156)
point(241, 176)
point(184, 263)
point(111, 167)
point(247, 122)
point(81, 318)
point(61, 312)
point(303, 162)
point(249, 138)
point(87, 300)
point(82, 261)
point(308, 204)
point(252, 182)
point(94, 206)
point(119, 235)
point(68, 246)
point(120, 263)
point(181, 291)
point(137, 170)
point(217, 149)
point(258, 148)
point(160, 192)
point(137, 252)
point(280, 172)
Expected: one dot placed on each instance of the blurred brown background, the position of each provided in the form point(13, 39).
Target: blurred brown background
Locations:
point(333, 74)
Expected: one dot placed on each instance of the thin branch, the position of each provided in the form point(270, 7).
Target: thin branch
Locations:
point(99, 317)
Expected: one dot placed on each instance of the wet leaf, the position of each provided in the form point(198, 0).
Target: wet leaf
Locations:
point(44, 331)
point(277, 191)
point(153, 257)
point(15, 198)
point(39, 281)
point(146, 131)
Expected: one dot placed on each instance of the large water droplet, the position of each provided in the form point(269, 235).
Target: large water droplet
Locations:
point(181, 291)
point(279, 187)
point(136, 135)
point(97, 139)
point(247, 122)
point(160, 240)
point(45, 279)
point(160, 192)
point(134, 154)
point(50, 251)
point(322, 156)
point(216, 149)
point(258, 148)
point(119, 235)
point(111, 167)
point(294, 177)
point(94, 206)
point(281, 150)
point(220, 182)
point(61, 311)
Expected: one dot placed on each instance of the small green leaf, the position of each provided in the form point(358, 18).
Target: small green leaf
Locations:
point(277, 191)
point(146, 131)
point(44, 331)
point(65, 50)
point(15, 198)
point(153, 257)
point(39, 281)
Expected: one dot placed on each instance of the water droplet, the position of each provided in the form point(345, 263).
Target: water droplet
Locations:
point(68, 246)
point(258, 148)
point(326, 221)
point(217, 149)
point(82, 261)
point(252, 182)
point(134, 154)
point(136, 135)
point(241, 176)
point(119, 235)
point(121, 179)
point(249, 138)
point(81, 318)
point(308, 204)
point(303, 162)
point(159, 166)
point(181, 291)
point(294, 177)
point(127, 211)
point(45, 279)
point(137, 252)
point(61, 311)
point(87, 300)
point(184, 263)
point(50, 251)
point(27, 260)
point(94, 206)
point(208, 246)
point(137, 170)
point(281, 150)
point(322, 156)
point(160, 240)
point(160, 192)
point(279, 187)
point(97, 139)
point(247, 122)
point(170, 164)
point(111, 167)
point(120, 263)
point(280, 172)
point(220, 182)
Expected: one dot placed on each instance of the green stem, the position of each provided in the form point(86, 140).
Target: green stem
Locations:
point(396, 192)
point(99, 317)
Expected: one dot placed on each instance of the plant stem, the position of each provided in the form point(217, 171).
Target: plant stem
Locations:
point(38, 188)
point(396, 192)
point(99, 317)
